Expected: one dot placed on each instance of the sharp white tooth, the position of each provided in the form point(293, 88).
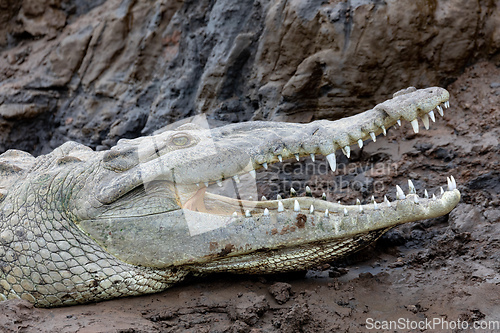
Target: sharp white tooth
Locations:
point(338, 202)
point(235, 214)
point(411, 188)
point(375, 205)
point(425, 121)
point(253, 173)
point(296, 206)
point(198, 184)
point(426, 194)
point(358, 202)
point(219, 182)
point(447, 104)
point(360, 209)
point(297, 157)
point(311, 209)
point(264, 165)
point(347, 151)
point(293, 193)
point(236, 179)
point(280, 158)
point(433, 196)
point(431, 115)
point(373, 136)
point(332, 161)
point(399, 122)
point(323, 196)
point(206, 184)
point(308, 191)
point(345, 211)
point(313, 158)
point(266, 212)
point(326, 213)
point(280, 207)
point(414, 124)
point(388, 203)
point(263, 198)
point(442, 191)
point(399, 193)
point(383, 130)
point(440, 110)
point(415, 199)
point(278, 197)
point(450, 184)
point(453, 182)
point(360, 143)
point(247, 213)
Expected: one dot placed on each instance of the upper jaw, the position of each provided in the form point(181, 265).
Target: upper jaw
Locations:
point(234, 150)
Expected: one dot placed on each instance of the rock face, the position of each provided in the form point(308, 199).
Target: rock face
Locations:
point(96, 71)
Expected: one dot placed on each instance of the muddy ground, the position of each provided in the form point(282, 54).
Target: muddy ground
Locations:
point(445, 269)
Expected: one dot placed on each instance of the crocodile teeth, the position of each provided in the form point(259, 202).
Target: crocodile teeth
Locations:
point(247, 213)
point(311, 209)
point(431, 115)
point(375, 205)
point(313, 158)
point(278, 197)
point(440, 110)
point(198, 184)
point(326, 213)
point(308, 191)
point(425, 121)
point(296, 206)
point(442, 191)
point(414, 124)
point(323, 196)
point(358, 202)
point(293, 193)
point(447, 104)
point(347, 151)
point(264, 165)
point(263, 198)
point(373, 199)
point(411, 188)
point(280, 207)
point(345, 212)
point(297, 157)
point(332, 161)
point(452, 185)
point(373, 136)
point(360, 209)
point(399, 122)
point(266, 212)
point(280, 158)
point(253, 173)
point(415, 199)
point(206, 184)
point(236, 179)
point(426, 194)
point(219, 182)
point(235, 214)
point(433, 197)
point(388, 203)
point(360, 143)
point(383, 130)
point(400, 195)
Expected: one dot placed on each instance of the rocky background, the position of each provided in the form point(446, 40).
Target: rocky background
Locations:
point(96, 71)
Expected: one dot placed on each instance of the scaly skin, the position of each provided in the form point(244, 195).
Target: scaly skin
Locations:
point(80, 226)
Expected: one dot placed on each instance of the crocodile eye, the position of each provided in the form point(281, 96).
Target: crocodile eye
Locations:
point(181, 140)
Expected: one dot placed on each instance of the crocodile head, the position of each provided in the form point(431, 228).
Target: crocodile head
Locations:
point(147, 204)
point(78, 225)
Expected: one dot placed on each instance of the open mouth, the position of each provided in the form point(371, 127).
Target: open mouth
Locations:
point(238, 195)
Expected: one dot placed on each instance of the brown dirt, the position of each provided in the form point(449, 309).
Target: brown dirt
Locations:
point(444, 268)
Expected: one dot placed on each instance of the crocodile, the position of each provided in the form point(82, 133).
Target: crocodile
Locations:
point(78, 225)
